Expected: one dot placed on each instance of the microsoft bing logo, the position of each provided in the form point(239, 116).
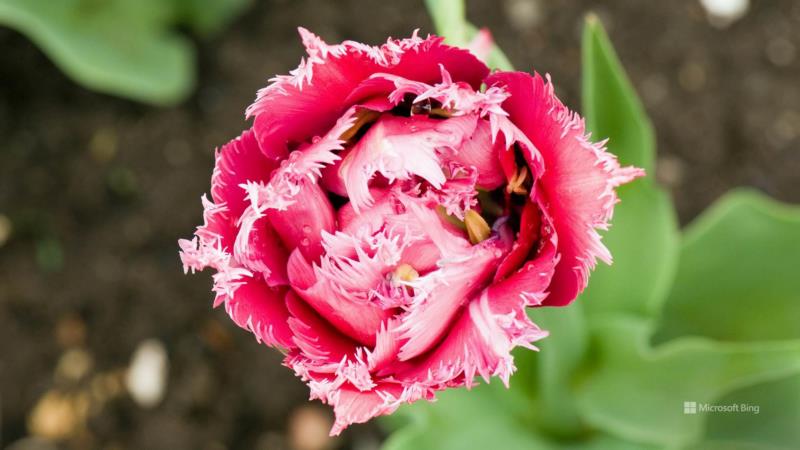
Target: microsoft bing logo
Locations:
point(690, 407)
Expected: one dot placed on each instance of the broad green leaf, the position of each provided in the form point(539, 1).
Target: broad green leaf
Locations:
point(610, 104)
point(208, 16)
point(450, 20)
point(637, 392)
point(774, 427)
point(739, 273)
point(643, 238)
point(549, 373)
point(485, 417)
point(114, 46)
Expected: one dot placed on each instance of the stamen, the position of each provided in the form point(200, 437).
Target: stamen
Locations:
point(477, 228)
point(405, 272)
point(364, 117)
point(515, 184)
point(440, 112)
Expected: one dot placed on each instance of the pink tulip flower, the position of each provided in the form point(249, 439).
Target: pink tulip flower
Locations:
point(393, 211)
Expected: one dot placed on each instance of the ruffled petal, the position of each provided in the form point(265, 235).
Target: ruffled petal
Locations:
point(317, 341)
point(259, 249)
point(531, 281)
point(463, 270)
point(478, 150)
point(446, 290)
point(302, 223)
point(368, 220)
point(356, 319)
point(479, 343)
point(308, 101)
point(398, 148)
point(261, 309)
point(578, 180)
point(238, 162)
point(528, 236)
point(351, 405)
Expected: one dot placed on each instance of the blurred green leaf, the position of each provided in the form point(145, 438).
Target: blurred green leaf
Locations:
point(49, 254)
point(450, 20)
point(113, 46)
point(122, 47)
point(549, 373)
point(637, 392)
point(643, 238)
point(774, 427)
point(483, 417)
point(208, 16)
point(739, 273)
point(610, 104)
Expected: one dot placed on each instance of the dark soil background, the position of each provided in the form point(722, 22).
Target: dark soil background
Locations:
point(95, 191)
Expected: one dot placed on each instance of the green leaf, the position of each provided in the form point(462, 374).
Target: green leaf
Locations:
point(207, 17)
point(774, 427)
point(643, 238)
point(484, 417)
point(549, 373)
point(114, 46)
point(637, 392)
point(739, 273)
point(610, 104)
point(450, 20)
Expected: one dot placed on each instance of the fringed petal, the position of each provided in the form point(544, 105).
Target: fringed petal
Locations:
point(238, 162)
point(303, 166)
point(302, 224)
point(317, 341)
point(530, 231)
point(398, 148)
point(261, 309)
point(440, 295)
point(578, 181)
point(306, 103)
point(479, 343)
point(351, 405)
point(259, 249)
point(358, 320)
point(462, 270)
point(369, 220)
point(478, 150)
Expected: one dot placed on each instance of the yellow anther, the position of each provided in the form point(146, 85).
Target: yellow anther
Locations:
point(477, 228)
point(405, 272)
point(516, 182)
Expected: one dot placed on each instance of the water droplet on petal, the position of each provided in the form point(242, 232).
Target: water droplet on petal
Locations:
point(305, 242)
point(307, 229)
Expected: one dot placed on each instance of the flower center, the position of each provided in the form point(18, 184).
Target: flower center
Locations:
point(405, 272)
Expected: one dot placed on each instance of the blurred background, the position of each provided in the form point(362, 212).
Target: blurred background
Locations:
point(105, 344)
